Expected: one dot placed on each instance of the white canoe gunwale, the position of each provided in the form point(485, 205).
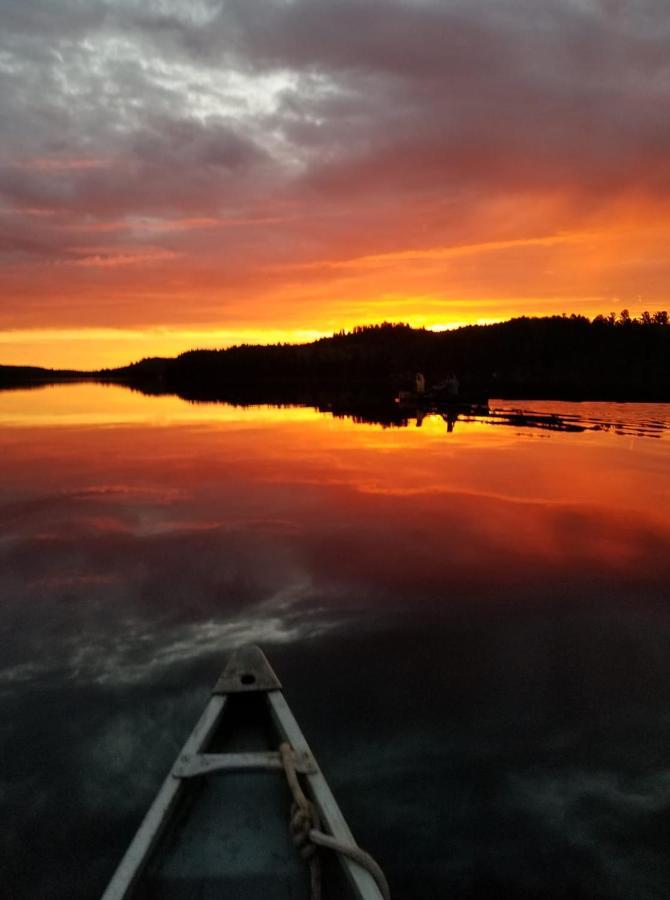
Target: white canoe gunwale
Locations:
point(248, 671)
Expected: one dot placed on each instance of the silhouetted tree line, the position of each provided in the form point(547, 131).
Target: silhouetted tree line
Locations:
point(22, 376)
point(610, 357)
point(616, 357)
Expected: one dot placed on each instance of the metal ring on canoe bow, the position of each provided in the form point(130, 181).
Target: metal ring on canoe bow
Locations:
point(306, 832)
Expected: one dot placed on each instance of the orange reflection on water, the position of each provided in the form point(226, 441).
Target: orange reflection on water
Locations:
point(411, 511)
point(87, 403)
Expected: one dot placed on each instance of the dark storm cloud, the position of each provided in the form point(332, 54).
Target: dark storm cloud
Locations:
point(411, 82)
point(478, 90)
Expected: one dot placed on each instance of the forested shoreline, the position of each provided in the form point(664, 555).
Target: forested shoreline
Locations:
point(615, 357)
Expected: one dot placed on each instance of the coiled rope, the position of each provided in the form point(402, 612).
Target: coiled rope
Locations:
point(306, 833)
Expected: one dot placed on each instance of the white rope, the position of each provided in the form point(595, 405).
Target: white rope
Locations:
point(357, 854)
point(306, 833)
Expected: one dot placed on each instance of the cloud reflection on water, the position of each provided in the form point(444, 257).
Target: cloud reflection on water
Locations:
point(472, 628)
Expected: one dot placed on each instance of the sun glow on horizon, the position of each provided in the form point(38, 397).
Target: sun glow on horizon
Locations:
point(91, 348)
point(99, 348)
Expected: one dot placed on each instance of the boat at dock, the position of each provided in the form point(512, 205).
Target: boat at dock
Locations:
point(245, 811)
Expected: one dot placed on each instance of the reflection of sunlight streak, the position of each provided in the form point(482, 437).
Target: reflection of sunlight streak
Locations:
point(93, 404)
point(90, 404)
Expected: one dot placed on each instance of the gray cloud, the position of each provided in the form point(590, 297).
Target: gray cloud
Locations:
point(332, 113)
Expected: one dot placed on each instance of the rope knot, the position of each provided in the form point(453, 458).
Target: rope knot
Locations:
point(304, 819)
point(306, 833)
point(300, 825)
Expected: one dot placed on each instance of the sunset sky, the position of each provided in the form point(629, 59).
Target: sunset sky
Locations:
point(183, 173)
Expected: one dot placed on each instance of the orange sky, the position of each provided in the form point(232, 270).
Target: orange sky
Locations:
point(202, 175)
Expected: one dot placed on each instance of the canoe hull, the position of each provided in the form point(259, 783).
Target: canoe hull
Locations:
point(219, 824)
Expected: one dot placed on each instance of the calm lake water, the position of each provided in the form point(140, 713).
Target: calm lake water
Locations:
point(471, 627)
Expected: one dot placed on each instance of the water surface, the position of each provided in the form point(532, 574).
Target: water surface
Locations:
point(470, 624)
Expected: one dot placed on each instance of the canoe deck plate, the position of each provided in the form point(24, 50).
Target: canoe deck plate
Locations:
point(248, 670)
point(192, 766)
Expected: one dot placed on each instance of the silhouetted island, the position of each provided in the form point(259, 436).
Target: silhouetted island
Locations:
point(557, 357)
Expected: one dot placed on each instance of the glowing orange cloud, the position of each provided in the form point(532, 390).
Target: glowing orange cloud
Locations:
point(143, 286)
point(312, 182)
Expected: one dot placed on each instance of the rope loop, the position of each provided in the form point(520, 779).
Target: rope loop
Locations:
point(306, 834)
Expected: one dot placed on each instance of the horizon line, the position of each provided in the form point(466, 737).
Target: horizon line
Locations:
point(315, 336)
